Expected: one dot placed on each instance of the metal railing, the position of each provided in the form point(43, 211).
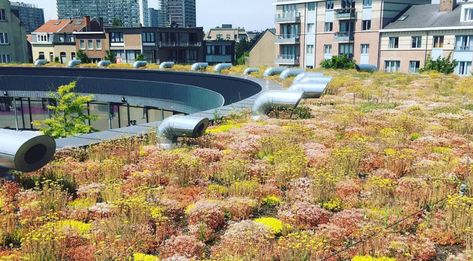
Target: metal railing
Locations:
point(344, 36)
point(288, 17)
point(179, 44)
point(345, 13)
point(288, 39)
point(287, 59)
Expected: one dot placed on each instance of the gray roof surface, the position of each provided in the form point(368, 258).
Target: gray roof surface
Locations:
point(425, 16)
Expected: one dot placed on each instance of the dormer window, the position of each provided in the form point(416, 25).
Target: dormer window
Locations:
point(468, 15)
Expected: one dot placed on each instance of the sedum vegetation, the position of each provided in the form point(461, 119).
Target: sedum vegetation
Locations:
point(381, 170)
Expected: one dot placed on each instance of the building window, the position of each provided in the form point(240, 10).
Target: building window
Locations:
point(148, 37)
point(228, 37)
point(90, 44)
point(311, 6)
point(468, 15)
point(365, 48)
point(329, 5)
point(116, 37)
point(3, 15)
point(392, 66)
point(414, 66)
point(310, 28)
point(438, 41)
point(3, 38)
point(51, 56)
point(328, 27)
point(416, 42)
point(73, 56)
point(219, 36)
point(82, 44)
point(5, 58)
point(366, 25)
point(367, 3)
point(310, 49)
point(327, 49)
point(464, 68)
point(347, 4)
point(463, 43)
point(98, 44)
point(41, 56)
point(393, 42)
point(346, 49)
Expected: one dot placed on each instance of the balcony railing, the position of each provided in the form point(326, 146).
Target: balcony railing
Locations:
point(345, 14)
point(344, 36)
point(179, 44)
point(464, 48)
point(288, 39)
point(288, 17)
point(287, 59)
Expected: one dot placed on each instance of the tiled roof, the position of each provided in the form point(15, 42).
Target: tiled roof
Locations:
point(428, 16)
point(62, 26)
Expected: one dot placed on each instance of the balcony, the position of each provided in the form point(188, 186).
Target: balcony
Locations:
point(464, 48)
point(288, 17)
point(345, 14)
point(179, 44)
point(344, 37)
point(287, 59)
point(288, 39)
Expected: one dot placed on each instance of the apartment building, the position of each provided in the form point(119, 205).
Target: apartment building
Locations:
point(157, 44)
point(56, 41)
point(30, 15)
point(427, 32)
point(263, 51)
point(227, 32)
point(180, 13)
point(219, 51)
point(13, 43)
point(310, 31)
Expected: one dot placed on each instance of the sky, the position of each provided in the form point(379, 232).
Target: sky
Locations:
point(251, 14)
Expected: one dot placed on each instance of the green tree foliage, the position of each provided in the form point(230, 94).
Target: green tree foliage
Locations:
point(67, 114)
point(110, 56)
point(242, 59)
point(242, 49)
point(443, 65)
point(117, 22)
point(140, 57)
point(82, 57)
point(338, 62)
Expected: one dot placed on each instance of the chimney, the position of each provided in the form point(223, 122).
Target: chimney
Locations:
point(87, 22)
point(447, 5)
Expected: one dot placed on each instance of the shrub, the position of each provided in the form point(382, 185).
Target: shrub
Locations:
point(205, 218)
point(240, 208)
point(304, 245)
point(276, 226)
point(304, 215)
point(443, 65)
point(338, 62)
point(186, 246)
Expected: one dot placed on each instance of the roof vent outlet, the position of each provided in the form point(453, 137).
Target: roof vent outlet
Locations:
point(140, 64)
point(181, 126)
point(250, 70)
point(306, 75)
point(273, 71)
point(166, 65)
point(270, 99)
point(290, 72)
point(40, 62)
point(25, 151)
point(199, 66)
point(311, 87)
point(73, 63)
point(222, 66)
point(104, 63)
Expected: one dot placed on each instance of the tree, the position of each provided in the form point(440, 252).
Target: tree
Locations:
point(67, 117)
point(82, 57)
point(338, 62)
point(117, 22)
point(110, 56)
point(443, 65)
point(242, 49)
point(140, 57)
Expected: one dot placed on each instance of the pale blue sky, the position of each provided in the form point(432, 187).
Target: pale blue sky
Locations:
point(251, 14)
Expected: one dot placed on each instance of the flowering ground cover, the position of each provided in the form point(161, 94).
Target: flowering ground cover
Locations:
point(381, 170)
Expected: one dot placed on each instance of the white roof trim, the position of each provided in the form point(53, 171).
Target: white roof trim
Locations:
point(88, 33)
point(469, 27)
point(296, 2)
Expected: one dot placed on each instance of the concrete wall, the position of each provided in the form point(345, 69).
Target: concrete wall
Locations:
point(264, 52)
point(17, 48)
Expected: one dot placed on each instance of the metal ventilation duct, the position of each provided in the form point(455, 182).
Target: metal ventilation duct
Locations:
point(222, 66)
point(273, 71)
point(307, 75)
point(291, 72)
point(139, 64)
point(250, 70)
point(104, 63)
point(25, 151)
point(73, 63)
point(366, 68)
point(312, 87)
point(166, 65)
point(199, 66)
point(181, 126)
point(268, 100)
point(40, 62)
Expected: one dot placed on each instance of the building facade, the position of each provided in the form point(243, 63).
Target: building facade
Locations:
point(310, 31)
point(227, 32)
point(180, 13)
point(220, 51)
point(153, 17)
point(263, 51)
point(128, 13)
point(429, 32)
point(13, 43)
point(31, 16)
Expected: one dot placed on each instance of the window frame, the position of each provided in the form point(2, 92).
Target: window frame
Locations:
point(468, 15)
point(393, 42)
point(311, 48)
point(311, 6)
point(117, 38)
point(327, 47)
point(82, 44)
point(391, 62)
point(90, 44)
point(416, 42)
point(3, 15)
point(329, 5)
point(331, 27)
point(4, 38)
point(416, 68)
point(364, 47)
point(366, 25)
point(438, 44)
point(98, 44)
point(369, 5)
